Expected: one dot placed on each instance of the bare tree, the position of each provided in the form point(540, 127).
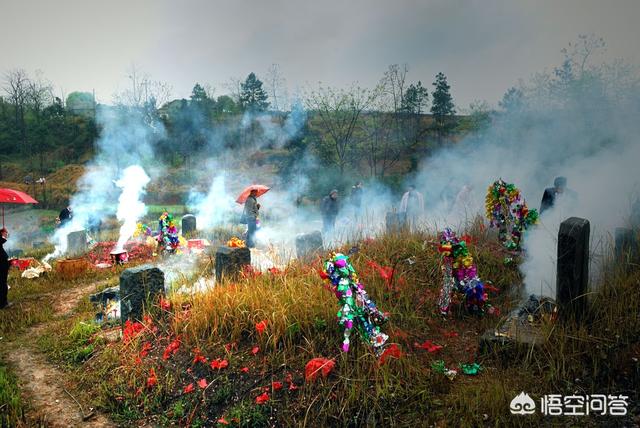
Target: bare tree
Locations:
point(276, 86)
point(338, 112)
point(143, 90)
point(17, 89)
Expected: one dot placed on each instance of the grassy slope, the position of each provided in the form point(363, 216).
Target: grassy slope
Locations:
point(300, 312)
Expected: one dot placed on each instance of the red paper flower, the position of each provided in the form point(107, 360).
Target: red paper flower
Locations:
point(202, 383)
point(152, 380)
point(277, 386)
point(323, 274)
point(318, 366)
point(262, 398)
point(189, 388)
point(261, 326)
point(392, 351)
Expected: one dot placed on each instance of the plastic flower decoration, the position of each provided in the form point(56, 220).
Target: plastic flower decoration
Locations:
point(357, 310)
point(508, 211)
point(459, 274)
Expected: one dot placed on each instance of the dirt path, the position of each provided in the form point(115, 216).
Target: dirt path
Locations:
point(42, 383)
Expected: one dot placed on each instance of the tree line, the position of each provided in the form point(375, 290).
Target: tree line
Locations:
point(375, 132)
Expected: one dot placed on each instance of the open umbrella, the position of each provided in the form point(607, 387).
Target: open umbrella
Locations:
point(10, 196)
point(260, 188)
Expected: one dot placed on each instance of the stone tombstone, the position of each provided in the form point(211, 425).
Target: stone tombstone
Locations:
point(77, 243)
point(626, 244)
point(573, 268)
point(395, 221)
point(231, 260)
point(308, 244)
point(188, 224)
point(138, 286)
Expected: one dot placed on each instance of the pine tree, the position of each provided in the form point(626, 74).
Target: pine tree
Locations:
point(252, 96)
point(442, 104)
point(415, 100)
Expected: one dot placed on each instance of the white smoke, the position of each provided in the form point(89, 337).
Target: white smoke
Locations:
point(582, 125)
point(130, 207)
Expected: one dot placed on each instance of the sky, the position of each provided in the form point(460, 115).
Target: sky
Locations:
point(483, 46)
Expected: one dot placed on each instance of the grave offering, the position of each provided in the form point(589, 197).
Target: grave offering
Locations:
point(508, 212)
point(357, 310)
point(230, 261)
point(138, 286)
point(308, 244)
point(459, 274)
point(107, 303)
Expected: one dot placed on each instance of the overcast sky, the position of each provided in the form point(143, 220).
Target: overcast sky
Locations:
point(483, 46)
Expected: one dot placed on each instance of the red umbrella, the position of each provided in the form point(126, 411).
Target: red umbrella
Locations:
point(260, 188)
point(10, 196)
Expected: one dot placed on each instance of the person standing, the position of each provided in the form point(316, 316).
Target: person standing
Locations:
point(329, 210)
point(250, 214)
point(65, 215)
point(412, 206)
point(356, 195)
point(4, 269)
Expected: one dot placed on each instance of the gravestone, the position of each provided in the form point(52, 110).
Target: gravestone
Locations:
point(626, 244)
point(308, 244)
point(77, 243)
point(573, 268)
point(188, 224)
point(138, 286)
point(395, 221)
point(231, 260)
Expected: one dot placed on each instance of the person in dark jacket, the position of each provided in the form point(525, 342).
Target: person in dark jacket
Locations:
point(251, 209)
point(329, 210)
point(551, 193)
point(4, 269)
point(65, 215)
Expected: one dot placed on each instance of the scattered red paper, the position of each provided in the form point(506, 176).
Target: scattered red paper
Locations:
point(245, 370)
point(171, 349)
point(219, 364)
point(202, 383)
point(222, 421)
point(261, 326)
point(491, 288)
point(262, 398)
point(292, 387)
point(255, 350)
point(131, 330)
point(274, 270)
point(165, 304)
point(450, 334)
point(198, 358)
point(152, 380)
point(428, 346)
point(323, 274)
point(392, 351)
point(146, 347)
point(189, 388)
point(322, 366)
point(277, 386)
point(229, 346)
point(249, 272)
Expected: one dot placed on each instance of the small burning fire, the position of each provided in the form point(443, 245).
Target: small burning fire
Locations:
point(235, 242)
